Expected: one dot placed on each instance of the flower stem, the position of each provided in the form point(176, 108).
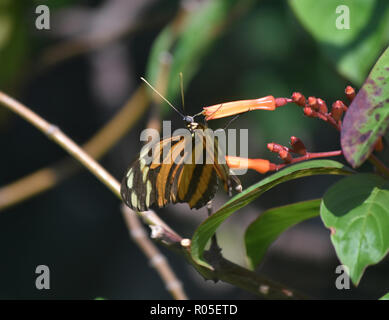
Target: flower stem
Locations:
point(308, 156)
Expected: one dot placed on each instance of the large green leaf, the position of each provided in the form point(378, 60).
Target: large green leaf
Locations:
point(354, 50)
point(269, 225)
point(368, 115)
point(200, 31)
point(356, 209)
point(309, 168)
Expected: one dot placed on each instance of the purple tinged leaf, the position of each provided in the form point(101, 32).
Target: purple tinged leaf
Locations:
point(367, 118)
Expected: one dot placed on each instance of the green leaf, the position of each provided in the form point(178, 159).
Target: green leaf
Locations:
point(269, 225)
point(353, 50)
point(187, 48)
point(367, 118)
point(309, 168)
point(385, 297)
point(356, 209)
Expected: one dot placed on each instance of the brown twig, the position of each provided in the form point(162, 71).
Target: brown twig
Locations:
point(54, 133)
point(238, 276)
point(158, 261)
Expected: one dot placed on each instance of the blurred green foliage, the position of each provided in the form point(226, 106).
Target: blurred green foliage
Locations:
point(355, 49)
point(189, 43)
point(14, 41)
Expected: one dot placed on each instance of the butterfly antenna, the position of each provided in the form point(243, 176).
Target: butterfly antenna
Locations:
point(166, 100)
point(182, 91)
point(198, 114)
point(233, 119)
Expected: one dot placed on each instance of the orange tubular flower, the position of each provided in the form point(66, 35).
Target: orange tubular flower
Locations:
point(231, 108)
point(259, 165)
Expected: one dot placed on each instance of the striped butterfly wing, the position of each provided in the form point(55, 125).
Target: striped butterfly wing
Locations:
point(197, 182)
point(166, 180)
point(140, 186)
point(229, 180)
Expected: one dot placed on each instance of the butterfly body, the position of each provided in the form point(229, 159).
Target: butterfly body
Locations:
point(170, 178)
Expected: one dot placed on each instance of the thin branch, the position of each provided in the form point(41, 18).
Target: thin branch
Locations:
point(308, 156)
point(226, 270)
point(247, 280)
point(55, 134)
point(238, 276)
point(158, 261)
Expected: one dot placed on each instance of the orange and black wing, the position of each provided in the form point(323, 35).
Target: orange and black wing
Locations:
point(166, 180)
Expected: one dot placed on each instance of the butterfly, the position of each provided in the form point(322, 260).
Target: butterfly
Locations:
point(168, 177)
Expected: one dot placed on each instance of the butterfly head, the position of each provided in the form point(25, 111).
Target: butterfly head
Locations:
point(188, 119)
point(190, 123)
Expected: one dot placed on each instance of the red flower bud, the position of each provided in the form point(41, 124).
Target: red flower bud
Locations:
point(309, 112)
point(298, 99)
point(297, 146)
point(312, 102)
point(275, 147)
point(336, 111)
point(285, 155)
point(350, 93)
point(322, 106)
point(342, 104)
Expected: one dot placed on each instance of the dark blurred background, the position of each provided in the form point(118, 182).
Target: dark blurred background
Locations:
point(76, 228)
